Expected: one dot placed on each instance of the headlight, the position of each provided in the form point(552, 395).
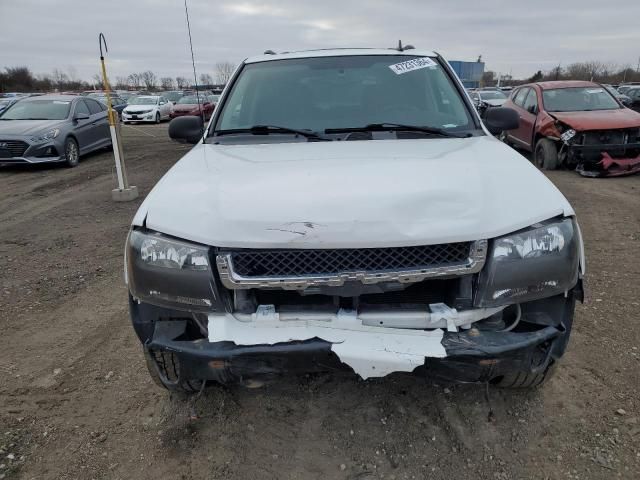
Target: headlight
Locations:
point(168, 272)
point(568, 135)
point(46, 136)
point(535, 263)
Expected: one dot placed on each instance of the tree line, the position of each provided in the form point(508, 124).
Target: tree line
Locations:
point(595, 71)
point(22, 79)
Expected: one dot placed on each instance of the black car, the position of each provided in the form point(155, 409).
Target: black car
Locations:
point(118, 103)
point(621, 97)
point(634, 98)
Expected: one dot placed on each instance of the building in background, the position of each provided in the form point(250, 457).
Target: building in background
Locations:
point(470, 73)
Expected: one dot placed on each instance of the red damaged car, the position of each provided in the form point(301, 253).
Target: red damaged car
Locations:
point(576, 124)
point(189, 106)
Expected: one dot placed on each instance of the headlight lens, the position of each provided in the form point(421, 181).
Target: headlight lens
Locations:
point(46, 136)
point(536, 263)
point(169, 272)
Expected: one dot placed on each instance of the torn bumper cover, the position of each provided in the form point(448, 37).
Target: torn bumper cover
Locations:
point(610, 167)
point(473, 355)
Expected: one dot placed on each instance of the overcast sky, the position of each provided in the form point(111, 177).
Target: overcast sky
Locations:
point(151, 34)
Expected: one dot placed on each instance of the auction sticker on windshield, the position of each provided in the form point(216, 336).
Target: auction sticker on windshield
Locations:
point(411, 65)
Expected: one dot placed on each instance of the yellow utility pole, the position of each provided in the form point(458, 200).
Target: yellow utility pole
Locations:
point(124, 192)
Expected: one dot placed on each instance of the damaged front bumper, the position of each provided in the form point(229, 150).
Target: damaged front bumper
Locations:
point(604, 160)
point(477, 354)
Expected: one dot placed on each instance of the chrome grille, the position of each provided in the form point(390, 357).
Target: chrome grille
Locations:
point(288, 263)
point(294, 269)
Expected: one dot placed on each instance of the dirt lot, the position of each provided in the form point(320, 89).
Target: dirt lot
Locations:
point(76, 400)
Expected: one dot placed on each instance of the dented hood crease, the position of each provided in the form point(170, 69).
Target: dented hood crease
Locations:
point(350, 194)
point(599, 120)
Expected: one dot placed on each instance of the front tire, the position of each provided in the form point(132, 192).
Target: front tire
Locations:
point(157, 117)
point(71, 152)
point(545, 154)
point(164, 369)
point(525, 381)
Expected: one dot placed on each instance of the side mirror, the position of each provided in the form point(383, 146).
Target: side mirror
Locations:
point(188, 129)
point(499, 119)
point(533, 109)
point(81, 116)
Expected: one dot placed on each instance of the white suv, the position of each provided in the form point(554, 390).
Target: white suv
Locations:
point(347, 210)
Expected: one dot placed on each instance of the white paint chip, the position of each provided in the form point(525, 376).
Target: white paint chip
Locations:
point(370, 351)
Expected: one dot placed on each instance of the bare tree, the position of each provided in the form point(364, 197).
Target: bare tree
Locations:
point(149, 79)
point(166, 83)
point(59, 78)
point(134, 80)
point(97, 81)
point(121, 83)
point(44, 81)
point(72, 74)
point(182, 82)
point(206, 79)
point(224, 70)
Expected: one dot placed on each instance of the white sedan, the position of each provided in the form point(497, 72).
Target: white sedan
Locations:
point(148, 108)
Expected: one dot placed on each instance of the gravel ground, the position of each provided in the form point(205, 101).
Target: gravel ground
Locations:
point(76, 400)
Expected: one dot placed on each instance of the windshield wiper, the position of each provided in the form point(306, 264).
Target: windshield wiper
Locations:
point(396, 127)
point(268, 129)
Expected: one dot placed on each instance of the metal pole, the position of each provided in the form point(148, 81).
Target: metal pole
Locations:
point(124, 192)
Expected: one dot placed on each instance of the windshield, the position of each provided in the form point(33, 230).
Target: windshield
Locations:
point(493, 95)
point(190, 100)
point(344, 92)
point(578, 99)
point(38, 110)
point(143, 101)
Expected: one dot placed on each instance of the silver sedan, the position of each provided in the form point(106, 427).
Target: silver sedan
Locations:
point(52, 128)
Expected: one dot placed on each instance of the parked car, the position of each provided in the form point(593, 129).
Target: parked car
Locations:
point(621, 97)
point(148, 108)
point(126, 95)
point(576, 124)
point(189, 106)
point(7, 102)
point(634, 98)
point(484, 99)
point(348, 210)
point(626, 86)
point(117, 103)
point(174, 95)
point(52, 128)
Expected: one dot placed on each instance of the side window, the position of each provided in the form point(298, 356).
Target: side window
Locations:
point(531, 102)
point(520, 96)
point(94, 107)
point(81, 107)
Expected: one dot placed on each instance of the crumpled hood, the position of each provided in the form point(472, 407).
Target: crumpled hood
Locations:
point(350, 194)
point(599, 119)
point(27, 127)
